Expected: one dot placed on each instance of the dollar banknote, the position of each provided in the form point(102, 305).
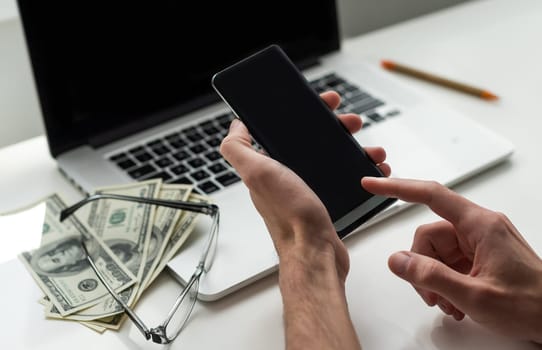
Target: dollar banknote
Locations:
point(48, 305)
point(140, 238)
point(162, 228)
point(125, 227)
point(184, 226)
point(60, 265)
point(164, 220)
point(181, 232)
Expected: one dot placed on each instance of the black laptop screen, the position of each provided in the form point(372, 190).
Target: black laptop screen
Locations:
point(104, 69)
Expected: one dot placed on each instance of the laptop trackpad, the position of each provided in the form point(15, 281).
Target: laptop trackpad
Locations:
point(244, 252)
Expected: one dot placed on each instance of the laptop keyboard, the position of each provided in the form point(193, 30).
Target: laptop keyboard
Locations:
point(191, 155)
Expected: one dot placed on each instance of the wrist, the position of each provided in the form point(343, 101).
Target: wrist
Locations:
point(537, 335)
point(308, 289)
point(316, 313)
point(311, 265)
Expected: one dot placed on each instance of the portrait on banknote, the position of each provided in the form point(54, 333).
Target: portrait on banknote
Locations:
point(61, 258)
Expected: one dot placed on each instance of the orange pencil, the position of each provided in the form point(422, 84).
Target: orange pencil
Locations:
point(396, 67)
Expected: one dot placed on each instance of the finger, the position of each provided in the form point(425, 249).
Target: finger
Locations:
point(377, 154)
point(458, 315)
point(351, 121)
point(450, 309)
point(385, 169)
point(432, 275)
point(237, 149)
point(446, 203)
point(331, 98)
point(439, 240)
point(445, 306)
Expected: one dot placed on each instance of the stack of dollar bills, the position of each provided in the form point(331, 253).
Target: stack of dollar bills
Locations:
point(131, 243)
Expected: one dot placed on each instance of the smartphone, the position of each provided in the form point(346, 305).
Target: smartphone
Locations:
point(284, 115)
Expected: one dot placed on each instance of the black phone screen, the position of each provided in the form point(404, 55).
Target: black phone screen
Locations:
point(295, 126)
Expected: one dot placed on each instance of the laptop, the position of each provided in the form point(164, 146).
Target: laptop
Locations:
point(125, 92)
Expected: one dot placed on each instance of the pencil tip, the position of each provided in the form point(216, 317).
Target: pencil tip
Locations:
point(486, 95)
point(387, 64)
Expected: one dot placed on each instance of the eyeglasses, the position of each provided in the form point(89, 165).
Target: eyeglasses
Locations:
point(179, 314)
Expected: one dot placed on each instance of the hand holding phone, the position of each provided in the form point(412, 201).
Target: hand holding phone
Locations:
point(290, 121)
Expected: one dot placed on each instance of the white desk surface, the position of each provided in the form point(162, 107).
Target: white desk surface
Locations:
point(493, 44)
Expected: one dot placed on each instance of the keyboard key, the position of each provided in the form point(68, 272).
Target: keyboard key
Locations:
point(179, 169)
point(367, 106)
point(353, 99)
point(143, 156)
point(172, 137)
point(161, 150)
point(200, 175)
point(209, 127)
point(189, 130)
point(163, 162)
point(210, 130)
point(319, 89)
point(126, 164)
point(206, 123)
point(155, 143)
point(217, 168)
point(194, 136)
point(178, 143)
point(375, 116)
point(228, 179)
point(214, 142)
point(212, 156)
point(182, 180)
point(209, 187)
point(198, 148)
point(196, 162)
point(117, 157)
point(343, 104)
point(334, 81)
point(181, 155)
point(142, 171)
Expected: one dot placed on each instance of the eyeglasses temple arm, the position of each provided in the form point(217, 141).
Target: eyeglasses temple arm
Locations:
point(208, 209)
point(214, 231)
point(137, 321)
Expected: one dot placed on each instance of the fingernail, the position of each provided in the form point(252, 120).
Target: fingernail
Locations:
point(398, 263)
point(374, 178)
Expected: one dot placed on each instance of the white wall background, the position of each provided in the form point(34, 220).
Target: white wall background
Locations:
point(362, 16)
point(20, 116)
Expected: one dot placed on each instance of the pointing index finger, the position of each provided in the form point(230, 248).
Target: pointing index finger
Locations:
point(443, 201)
